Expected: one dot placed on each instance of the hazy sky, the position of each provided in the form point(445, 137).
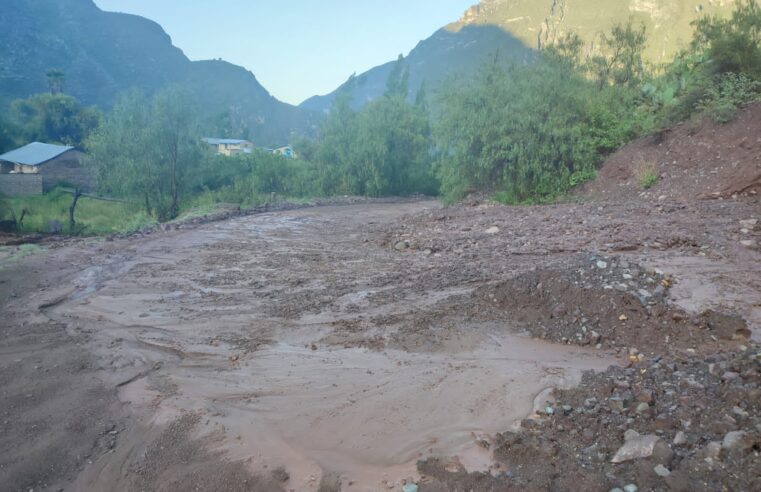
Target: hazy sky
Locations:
point(297, 48)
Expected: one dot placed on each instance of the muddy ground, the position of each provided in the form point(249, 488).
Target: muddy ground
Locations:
point(372, 346)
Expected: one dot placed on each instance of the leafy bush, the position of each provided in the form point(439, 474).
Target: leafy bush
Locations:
point(728, 92)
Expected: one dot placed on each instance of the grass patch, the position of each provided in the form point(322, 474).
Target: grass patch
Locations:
point(648, 177)
point(93, 216)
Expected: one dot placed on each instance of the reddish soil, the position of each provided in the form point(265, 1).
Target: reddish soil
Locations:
point(697, 159)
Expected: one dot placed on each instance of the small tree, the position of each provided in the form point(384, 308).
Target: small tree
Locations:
point(733, 45)
point(619, 61)
point(144, 149)
point(54, 118)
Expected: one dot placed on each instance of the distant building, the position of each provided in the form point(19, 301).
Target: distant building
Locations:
point(285, 151)
point(39, 167)
point(229, 146)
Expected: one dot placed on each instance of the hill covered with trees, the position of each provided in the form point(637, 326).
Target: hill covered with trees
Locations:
point(74, 47)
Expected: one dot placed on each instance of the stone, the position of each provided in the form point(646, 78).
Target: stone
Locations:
point(727, 327)
point(631, 488)
point(410, 487)
point(401, 245)
point(730, 376)
point(680, 438)
point(749, 243)
point(636, 448)
point(492, 230)
point(630, 434)
point(602, 265)
point(643, 407)
point(662, 471)
point(735, 441)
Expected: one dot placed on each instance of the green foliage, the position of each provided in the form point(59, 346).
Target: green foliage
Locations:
point(733, 45)
point(648, 178)
point(53, 118)
point(620, 59)
point(384, 149)
point(93, 216)
point(530, 132)
point(728, 92)
point(146, 149)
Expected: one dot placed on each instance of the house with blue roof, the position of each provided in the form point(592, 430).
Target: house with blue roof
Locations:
point(229, 146)
point(39, 167)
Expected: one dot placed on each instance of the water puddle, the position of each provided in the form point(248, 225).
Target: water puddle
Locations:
point(368, 416)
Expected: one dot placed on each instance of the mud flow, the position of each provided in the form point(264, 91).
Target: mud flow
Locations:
point(300, 347)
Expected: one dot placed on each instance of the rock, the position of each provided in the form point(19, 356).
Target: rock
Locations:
point(616, 404)
point(727, 327)
point(680, 438)
point(749, 243)
point(492, 230)
point(636, 448)
point(410, 487)
point(616, 490)
point(736, 441)
point(631, 488)
point(643, 407)
point(730, 376)
point(602, 265)
point(401, 245)
point(749, 224)
point(630, 434)
point(662, 471)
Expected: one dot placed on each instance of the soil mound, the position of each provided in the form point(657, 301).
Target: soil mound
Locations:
point(608, 302)
point(693, 160)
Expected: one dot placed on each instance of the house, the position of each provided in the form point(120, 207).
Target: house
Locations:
point(39, 167)
point(229, 146)
point(285, 151)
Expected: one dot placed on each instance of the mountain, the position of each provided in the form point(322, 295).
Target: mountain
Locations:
point(540, 22)
point(450, 51)
point(105, 53)
point(514, 27)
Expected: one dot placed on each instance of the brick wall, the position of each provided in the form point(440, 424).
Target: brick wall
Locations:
point(66, 169)
point(20, 184)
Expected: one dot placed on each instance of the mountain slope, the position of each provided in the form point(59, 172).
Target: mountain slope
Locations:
point(540, 22)
point(449, 52)
point(105, 53)
point(512, 27)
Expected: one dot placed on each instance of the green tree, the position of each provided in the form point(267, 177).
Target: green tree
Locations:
point(397, 82)
point(732, 45)
point(146, 148)
point(619, 61)
point(54, 119)
point(528, 133)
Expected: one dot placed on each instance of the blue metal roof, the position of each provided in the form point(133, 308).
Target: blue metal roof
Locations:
point(221, 141)
point(34, 154)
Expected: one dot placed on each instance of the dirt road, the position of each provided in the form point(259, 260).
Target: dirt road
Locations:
point(334, 348)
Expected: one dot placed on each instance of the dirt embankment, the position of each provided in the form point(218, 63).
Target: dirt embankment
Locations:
point(694, 160)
